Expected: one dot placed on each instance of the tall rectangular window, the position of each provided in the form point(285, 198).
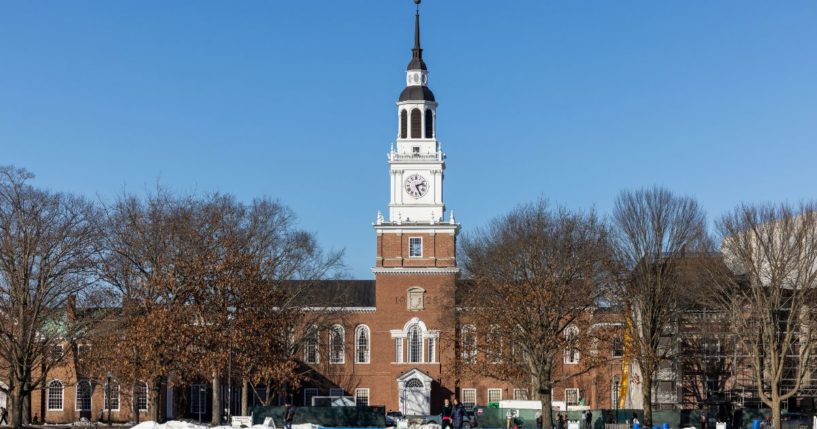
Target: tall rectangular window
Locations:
point(415, 247)
point(572, 396)
point(198, 399)
point(55, 389)
point(111, 402)
point(142, 396)
point(362, 397)
point(309, 393)
point(432, 350)
point(469, 398)
point(398, 350)
point(311, 346)
point(494, 396)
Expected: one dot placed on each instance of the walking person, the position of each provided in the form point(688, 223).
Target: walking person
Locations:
point(457, 414)
point(446, 414)
point(289, 414)
point(635, 420)
point(538, 420)
point(588, 419)
point(560, 422)
point(4, 415)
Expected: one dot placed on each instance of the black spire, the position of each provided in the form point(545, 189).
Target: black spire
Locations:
point(416, 62)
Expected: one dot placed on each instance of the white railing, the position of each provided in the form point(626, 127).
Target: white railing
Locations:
point(394, 156)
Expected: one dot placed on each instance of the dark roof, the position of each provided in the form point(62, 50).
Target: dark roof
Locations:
point(417, 62)
point(335, 293)
point(416, 93)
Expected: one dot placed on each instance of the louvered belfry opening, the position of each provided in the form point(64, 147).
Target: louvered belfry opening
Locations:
point(429, 124)
point(403, 124)
point(416, 123)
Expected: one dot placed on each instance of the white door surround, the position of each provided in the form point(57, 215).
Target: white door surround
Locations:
point(414, 393)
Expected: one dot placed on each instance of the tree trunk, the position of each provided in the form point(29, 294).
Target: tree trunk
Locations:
point(26, 405)
point(15, 408)
point(245, 397)
point(215, 418)
point(543, 386)
point(155, 391)
point(775, 409)
point(646, 395)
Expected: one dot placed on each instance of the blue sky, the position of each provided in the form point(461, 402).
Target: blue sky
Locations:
point(568, 100)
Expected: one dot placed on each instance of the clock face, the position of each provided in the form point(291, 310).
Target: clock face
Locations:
point(416, 185)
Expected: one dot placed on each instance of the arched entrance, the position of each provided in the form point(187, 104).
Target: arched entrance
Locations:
point(414, 390)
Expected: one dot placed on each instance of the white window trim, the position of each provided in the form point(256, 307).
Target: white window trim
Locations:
point(494, 390)
point(105, 396)
point(432, 352)
point(469, 390)
point(307, 390)
point(368, 344)
point(332, 359)
point(147, 397)
point(62, 396)
point(525, 394)
point(421, 247)
point(469, 357)
point(400, 357)
point(568, 348)
point(76, 396)
point(421, 334)
point(312, 332)
point(361, 390)
point(578, 397)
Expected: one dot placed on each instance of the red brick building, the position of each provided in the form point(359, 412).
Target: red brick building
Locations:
point(396, 344)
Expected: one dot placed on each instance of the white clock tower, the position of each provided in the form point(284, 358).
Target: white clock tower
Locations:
point(417, 237)
point(416, 164)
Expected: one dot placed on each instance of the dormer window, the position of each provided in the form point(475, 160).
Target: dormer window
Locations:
point(415, 247)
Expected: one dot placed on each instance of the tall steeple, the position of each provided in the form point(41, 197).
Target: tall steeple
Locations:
point(416, 237)
point(417, 163)
point(416, 62)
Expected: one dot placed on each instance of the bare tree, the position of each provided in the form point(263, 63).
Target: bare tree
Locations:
point(48, 243)
point(206, 290)
point(767, 285)
point(655, 231)
point(547, 270)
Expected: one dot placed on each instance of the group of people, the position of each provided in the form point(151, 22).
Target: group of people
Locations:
point(453, 416)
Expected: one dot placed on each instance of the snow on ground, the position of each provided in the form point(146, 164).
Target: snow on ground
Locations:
point(177, 424)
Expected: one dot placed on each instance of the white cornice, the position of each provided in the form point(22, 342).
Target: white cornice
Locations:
point(418, 270)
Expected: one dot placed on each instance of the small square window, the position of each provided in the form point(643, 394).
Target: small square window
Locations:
point(415, 151)
point(415, 247)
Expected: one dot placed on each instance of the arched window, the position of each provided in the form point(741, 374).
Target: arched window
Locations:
point(416, 124)
point(494, 345)
point(429, 124)
point(415, 344)
point(469, 343)
point(336, 346)
point(55, 395)
point(111, 396)
point(414, 384)
point(571, 349)
point(362, 344)
point(403, 124)
point(84, 391)
point(311, 345)
point(141, 394)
